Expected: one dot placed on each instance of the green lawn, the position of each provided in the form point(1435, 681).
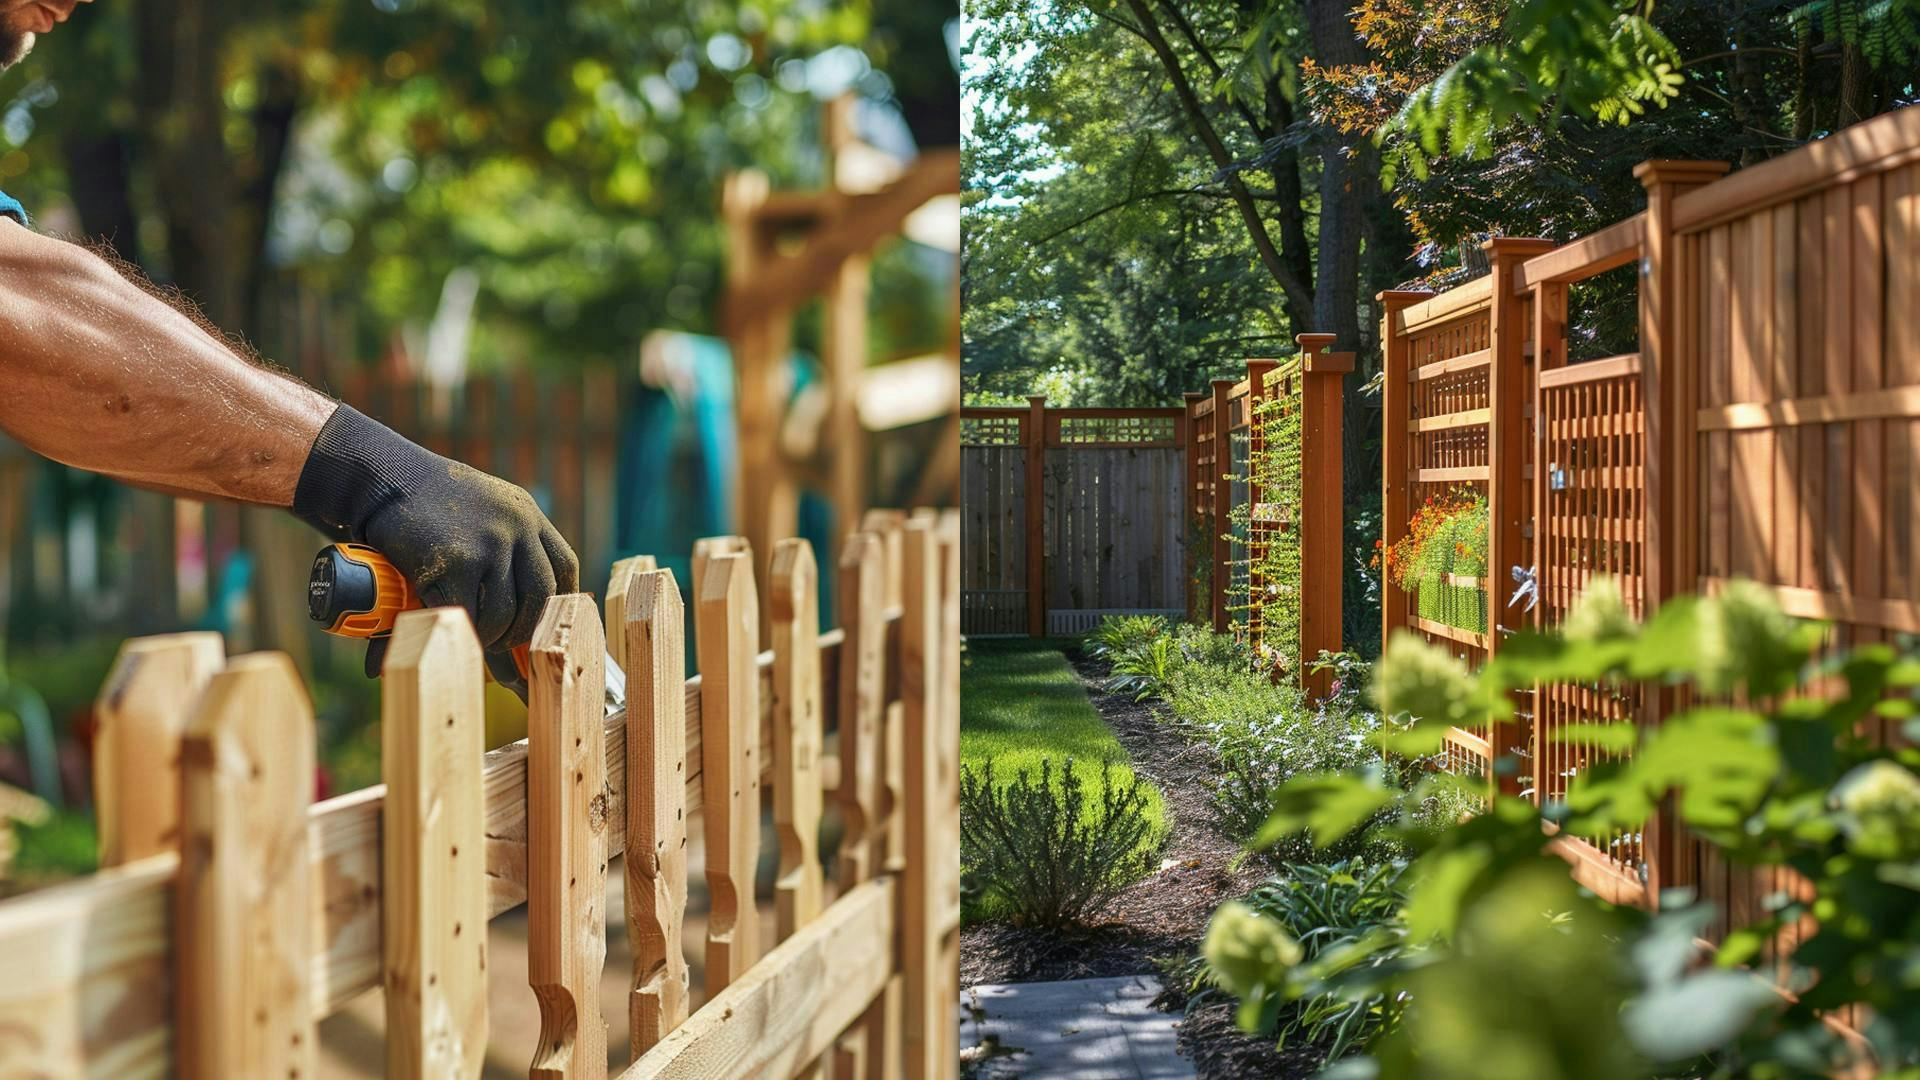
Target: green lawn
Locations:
point(1020, 702)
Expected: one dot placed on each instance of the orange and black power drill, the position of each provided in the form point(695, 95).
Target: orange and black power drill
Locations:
point(353, 591)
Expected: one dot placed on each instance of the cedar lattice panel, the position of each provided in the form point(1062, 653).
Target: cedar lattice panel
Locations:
point(1591, 520)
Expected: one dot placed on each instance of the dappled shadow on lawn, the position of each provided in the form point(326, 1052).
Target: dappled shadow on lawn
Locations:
point(1163, 916)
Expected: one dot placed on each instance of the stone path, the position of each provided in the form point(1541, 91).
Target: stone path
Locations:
point(1087, 1029)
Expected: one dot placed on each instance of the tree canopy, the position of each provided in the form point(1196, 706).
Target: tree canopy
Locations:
point(568, 156)
point(1158, 189)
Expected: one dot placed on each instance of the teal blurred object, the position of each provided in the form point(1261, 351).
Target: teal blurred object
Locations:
point(679, 459)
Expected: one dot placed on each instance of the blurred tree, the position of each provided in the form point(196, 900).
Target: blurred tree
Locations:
point(569, 155)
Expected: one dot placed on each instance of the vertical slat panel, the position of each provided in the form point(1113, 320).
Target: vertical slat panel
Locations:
point(727, 628)
point(143, 711)
point(243, 910)
point(567, 810)
point(656, 854)
point(433, 880)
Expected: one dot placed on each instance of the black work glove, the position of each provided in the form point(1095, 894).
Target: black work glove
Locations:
point(461, 537)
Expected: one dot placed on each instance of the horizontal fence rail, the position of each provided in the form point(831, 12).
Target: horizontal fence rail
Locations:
point(234, 916)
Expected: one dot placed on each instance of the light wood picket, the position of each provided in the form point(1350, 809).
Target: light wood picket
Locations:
point(142, 714)
point(795, 605)
point(242, 907)
point(728, 632)
point(656, 851)
point(567, 821)
point(373, 888)
point(433, 854)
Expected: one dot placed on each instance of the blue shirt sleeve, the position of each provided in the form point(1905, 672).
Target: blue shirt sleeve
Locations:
point(11, 207)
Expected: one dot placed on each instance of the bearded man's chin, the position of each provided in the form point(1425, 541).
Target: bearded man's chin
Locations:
point(14, 46)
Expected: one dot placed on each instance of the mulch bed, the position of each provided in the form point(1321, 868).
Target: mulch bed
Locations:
point(1159, 918)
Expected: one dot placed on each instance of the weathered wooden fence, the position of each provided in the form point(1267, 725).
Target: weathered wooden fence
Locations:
point(1153, 509)
point(233, 914)
point(1104, 534)
point(1765, 429)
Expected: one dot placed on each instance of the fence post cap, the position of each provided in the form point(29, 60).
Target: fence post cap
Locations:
point(1224, 382)
point(1194, 395)
point(1679, 171)
point(1313, 343)
point(1396, 299)
point(1516, 245)
point(1037, 400)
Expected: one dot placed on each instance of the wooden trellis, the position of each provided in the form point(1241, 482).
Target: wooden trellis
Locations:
point(1767, 428)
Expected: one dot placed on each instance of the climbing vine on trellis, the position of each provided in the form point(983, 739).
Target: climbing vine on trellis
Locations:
point(1269, 529)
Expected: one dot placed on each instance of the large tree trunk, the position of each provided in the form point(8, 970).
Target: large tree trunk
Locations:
point(1349, 184)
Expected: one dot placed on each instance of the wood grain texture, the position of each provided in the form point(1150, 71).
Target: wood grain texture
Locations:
point(926, 1010)
point(656, 805)
point(861, 706)
point(788, 1009)
point(142, 713)
point(433, 855)
point(568, 812)
point(242, 908)
point(619, 581)
point(728, 637)
point(794, 612)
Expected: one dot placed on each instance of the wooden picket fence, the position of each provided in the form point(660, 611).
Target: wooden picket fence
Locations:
point(233, 914)
point(1766, 428)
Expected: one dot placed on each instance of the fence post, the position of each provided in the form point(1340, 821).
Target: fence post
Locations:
point(1508, 495)
point(1256, 530)
point(1034, 432)
point(243, 911)
point(143, 709)
point(1395, 412)
point(1668, 394)
point(927, 1011)
point(797, 735)
point(433, 857)
point(656, 855)
point(567, 810)
point(1323, 522)
point(729, 643)
point(1222, 499)
point(1190, 445)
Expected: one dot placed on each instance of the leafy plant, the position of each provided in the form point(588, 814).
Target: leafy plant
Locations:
point(1119, 634)
point(1145, 668)
point(1553, 58)
point(1047, 850)
point(1777, 764)
point(1348, 911)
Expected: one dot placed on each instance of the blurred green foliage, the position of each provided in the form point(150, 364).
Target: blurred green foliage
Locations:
point(1783, 761)
point(569, 154)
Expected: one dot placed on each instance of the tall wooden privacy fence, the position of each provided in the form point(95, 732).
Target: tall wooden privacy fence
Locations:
point(233, 915)
point(1764, 429)
point(1158, 510)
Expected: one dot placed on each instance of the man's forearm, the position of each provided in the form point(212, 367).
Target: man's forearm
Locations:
point(97, 373)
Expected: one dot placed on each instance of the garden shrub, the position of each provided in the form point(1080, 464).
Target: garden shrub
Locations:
point(1779, 763)
point(1045, 850)
point(1349, 908)
point(1119, 634)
